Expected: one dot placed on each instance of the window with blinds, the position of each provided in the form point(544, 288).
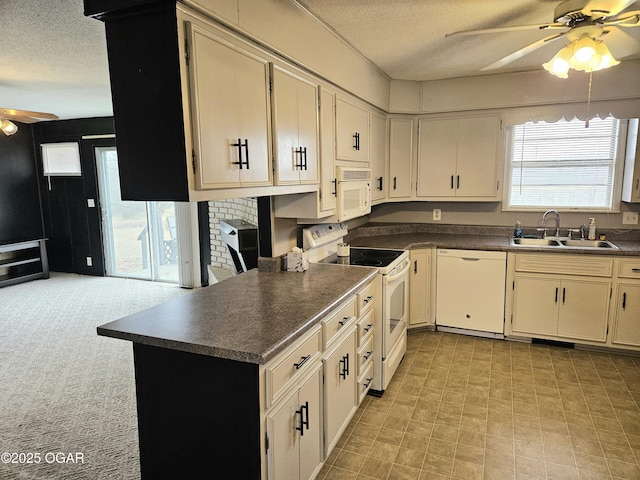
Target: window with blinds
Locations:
point(564, 165)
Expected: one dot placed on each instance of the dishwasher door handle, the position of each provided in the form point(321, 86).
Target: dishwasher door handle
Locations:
point(469, 259)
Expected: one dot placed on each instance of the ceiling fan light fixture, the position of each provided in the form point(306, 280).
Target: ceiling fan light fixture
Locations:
point(605, 57)
point(8, 127)
point(559, 65)
point(584, 49)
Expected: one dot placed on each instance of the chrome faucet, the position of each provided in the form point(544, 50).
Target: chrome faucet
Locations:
point(557, 219)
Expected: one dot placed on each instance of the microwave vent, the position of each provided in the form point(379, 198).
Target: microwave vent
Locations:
point(351, 174)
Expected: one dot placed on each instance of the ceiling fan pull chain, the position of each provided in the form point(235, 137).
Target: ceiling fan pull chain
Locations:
point(586, 123)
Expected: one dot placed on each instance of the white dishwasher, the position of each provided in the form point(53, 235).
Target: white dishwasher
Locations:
point(470, 292)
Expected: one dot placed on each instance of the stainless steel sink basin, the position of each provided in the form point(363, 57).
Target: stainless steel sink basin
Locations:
point(562, 243)
point(587, 243)
point(535, 242)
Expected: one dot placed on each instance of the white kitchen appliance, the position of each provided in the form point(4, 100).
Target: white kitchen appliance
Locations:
point(470, 291)
point(391, 312)
point(353, 192)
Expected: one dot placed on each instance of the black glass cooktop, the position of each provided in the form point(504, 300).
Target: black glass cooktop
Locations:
point(366, 257)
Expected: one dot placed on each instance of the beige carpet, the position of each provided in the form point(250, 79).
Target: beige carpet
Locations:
point(63, 389)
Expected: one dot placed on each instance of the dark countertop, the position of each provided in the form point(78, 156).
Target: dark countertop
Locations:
point(248, 318)
point(401, 237)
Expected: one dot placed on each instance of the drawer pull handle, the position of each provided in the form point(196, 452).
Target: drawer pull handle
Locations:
point(367, 300)
point(368, 382)
point(368, 327)
point(367, 355)
point(635, 270)
point(302, 361)
point(344, 321)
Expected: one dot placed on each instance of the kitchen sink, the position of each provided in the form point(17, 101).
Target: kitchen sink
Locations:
point(562, 243)
point(535, 242)
point(588, 243)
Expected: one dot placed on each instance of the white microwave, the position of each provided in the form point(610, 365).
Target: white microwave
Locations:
point(353, 192)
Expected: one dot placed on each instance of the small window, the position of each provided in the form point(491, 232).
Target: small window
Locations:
point(61, 159)
point(564, 165)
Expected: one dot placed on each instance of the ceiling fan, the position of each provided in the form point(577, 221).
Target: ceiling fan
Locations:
point(22, 116)
point(585, 21)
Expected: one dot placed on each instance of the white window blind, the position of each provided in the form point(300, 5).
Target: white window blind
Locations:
point(61, 159)
point(563, 164)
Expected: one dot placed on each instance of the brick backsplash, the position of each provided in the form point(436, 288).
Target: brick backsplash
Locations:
point(239, 208)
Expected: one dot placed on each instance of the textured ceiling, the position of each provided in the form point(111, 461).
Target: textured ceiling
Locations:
point(54, 59)
point(57, 62)
point(406, 38)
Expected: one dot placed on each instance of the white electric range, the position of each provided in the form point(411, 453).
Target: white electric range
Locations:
point(391, 312)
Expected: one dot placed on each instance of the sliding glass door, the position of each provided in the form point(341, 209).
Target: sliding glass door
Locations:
point(140, 238)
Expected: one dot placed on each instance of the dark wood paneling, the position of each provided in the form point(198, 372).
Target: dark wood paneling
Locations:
point(20, 212)
point(147, 104)
point(73, 228)
point(198, 416)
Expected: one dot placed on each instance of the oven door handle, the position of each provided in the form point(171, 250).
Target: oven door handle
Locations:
point(392, 278)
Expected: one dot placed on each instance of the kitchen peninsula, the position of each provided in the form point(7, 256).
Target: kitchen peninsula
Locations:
point(199, 365)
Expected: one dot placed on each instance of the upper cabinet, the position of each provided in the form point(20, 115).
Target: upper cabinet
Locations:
point(229, 88)
point(378, 152)
point(400, 158)
point(295, 125)
point(631, 179)
point(352, 130)
point(458, 158)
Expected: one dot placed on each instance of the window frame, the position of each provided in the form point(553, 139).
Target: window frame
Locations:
point(617, 180)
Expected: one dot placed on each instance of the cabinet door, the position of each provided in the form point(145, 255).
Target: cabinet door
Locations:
point(230, 113)
point(535, 304)
point(400, 154)
point(476, 157)
point(584, 306)
point(327, 150)
point(311, 441)
point(284, 439)
point(378, 153)
point(437, 152)
point(296, 128)
point(352, 131)
point(419, 287)
point(295, 432)
point(626, 330)
point(340, 402)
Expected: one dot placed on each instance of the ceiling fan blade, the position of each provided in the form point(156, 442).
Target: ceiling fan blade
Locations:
point(627, 19)
point(507, 29)
point(610, 8)
point(620, 43)
point(26, 115)
point(522, 52)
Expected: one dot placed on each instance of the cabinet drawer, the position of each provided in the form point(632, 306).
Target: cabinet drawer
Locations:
point(629, 268)
point(364, 382)
point(365, 355)
point(575, 264)
point(365, 327)
point(365, 298)
point(335, 323)
point(287, 369)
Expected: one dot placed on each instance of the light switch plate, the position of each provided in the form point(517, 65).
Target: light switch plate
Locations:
point(89, 262)
point(630, 218)
point(91, 203)
point(437, 214)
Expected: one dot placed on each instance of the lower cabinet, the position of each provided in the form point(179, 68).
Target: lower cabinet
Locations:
point(312, 389)
point(340, 396)
point(419, 287)
point(561, 306)
point(563, 297)
point(626, 330)
point(294, 427)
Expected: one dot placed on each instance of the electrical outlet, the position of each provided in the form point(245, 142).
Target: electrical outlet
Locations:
point(630, 218)
point(89, 262)
point(437, 214)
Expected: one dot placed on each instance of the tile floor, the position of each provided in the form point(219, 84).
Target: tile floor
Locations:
point(470, 408)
